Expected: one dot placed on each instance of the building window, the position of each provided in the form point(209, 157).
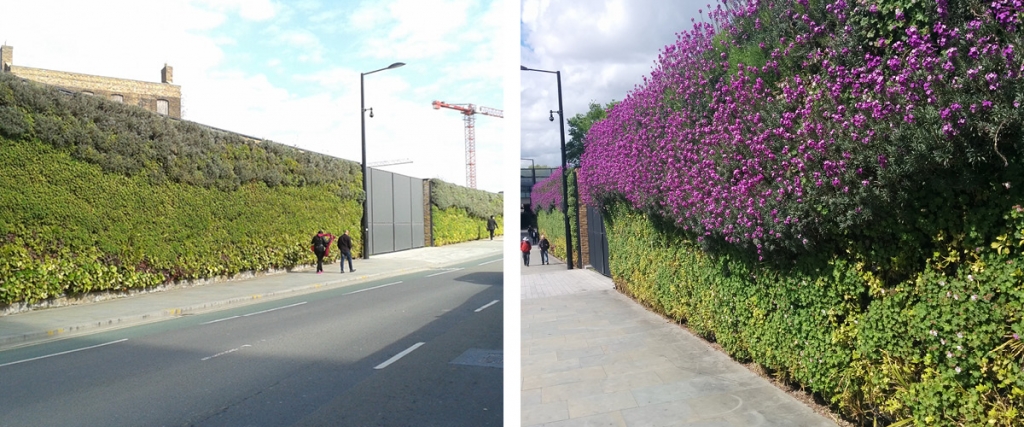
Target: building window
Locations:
point(117, 98)
point(161, 106)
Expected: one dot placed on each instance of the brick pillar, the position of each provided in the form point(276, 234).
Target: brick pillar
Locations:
point(167, 74)
point(584, 237)
point(428, 216)
point(6, 57)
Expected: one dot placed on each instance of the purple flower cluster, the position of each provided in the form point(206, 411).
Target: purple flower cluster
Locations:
point(814, 131)
point(547, 194)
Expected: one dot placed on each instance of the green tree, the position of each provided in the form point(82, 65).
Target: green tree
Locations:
point(579, 125)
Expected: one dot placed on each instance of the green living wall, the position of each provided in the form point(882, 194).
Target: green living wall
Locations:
point(103, 196)
point(459, 214)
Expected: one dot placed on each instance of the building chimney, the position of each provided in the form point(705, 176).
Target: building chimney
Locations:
point(6, 57)
point(167, 74)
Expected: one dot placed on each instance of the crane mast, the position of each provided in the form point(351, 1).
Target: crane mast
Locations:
point(468, 112)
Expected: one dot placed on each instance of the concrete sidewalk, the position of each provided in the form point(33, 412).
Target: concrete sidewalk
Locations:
point(593, 357)
point(46, 324)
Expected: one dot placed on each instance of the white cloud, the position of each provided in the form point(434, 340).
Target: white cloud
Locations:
point(413, 28)
point(251, 10)
point(300, 40)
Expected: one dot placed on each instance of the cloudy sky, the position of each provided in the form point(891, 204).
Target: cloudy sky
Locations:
point(289, 71)
point(603, 48)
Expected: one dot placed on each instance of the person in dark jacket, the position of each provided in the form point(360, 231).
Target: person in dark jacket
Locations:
point(345, 246)
point(544, 246)
point(319, 246)
point(491, 226)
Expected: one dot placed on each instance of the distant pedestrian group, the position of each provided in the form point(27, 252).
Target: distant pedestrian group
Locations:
point(321, 247)
point(533, 237)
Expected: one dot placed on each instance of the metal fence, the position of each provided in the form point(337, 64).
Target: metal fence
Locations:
point(598, 241)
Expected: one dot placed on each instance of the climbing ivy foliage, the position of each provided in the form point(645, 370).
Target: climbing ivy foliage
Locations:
point(939, 348)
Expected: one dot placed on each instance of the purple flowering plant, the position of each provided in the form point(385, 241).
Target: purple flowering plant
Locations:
point(785, 124)
point(547, 194)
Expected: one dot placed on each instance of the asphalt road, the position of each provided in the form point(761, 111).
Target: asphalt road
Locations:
point(422, 349)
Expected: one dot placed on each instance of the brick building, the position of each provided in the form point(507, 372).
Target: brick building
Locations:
point(163, 98)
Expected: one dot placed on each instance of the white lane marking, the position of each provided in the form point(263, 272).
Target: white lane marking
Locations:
point(488, 262)
point(398, 356)
point(488, 305)
point(63, 352)
point(225, 352)
point(221, 320)
point(446, 272)
point(370, 289)
point(250, 314)
point(274, 309)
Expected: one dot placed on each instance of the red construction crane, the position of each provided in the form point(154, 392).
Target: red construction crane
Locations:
point(468, 111)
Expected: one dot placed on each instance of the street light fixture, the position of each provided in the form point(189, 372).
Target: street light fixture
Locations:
point(565, 168)
point(366, 194)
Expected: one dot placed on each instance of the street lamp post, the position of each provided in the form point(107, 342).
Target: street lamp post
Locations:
point(366, 194)
point(565, 168)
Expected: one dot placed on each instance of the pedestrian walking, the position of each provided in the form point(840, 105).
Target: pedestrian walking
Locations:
point(526, 247)
point(491, 226)
point(531, 232)
point(320, 244)
point(545, 245)
point(345, 246)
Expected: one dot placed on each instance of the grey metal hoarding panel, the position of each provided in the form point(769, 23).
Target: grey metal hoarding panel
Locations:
point(403, 214)
point(382, 196)
point(383, 238)
point(381, 213)
point(403, 236)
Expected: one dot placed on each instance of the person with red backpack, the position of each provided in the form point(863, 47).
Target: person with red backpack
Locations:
point(321, 246)
point(526, 247)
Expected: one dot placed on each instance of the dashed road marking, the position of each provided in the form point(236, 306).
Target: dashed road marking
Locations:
point(258, 312)
point(398, 356)
point(275, 309)
point(485, 306)
point(63, 352)
point(447, 270)
point(225, 352)
point(370, 289)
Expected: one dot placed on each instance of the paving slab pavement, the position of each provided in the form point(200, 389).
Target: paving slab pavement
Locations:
point(593, 357)
point(86, 316)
